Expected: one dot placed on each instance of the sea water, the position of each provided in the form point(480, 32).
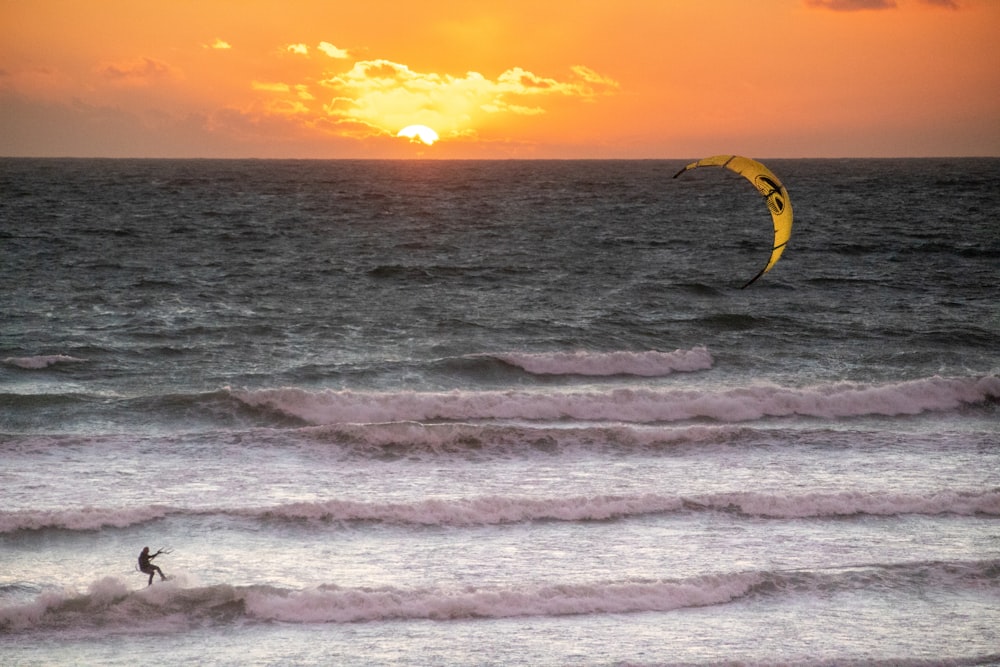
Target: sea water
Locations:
point(498, 413)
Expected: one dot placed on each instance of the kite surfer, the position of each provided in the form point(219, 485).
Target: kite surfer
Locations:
point(146, 567)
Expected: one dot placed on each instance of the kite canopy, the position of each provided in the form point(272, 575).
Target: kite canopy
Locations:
point(769, 187)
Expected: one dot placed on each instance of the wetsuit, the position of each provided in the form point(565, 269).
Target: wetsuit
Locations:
point(146, 567)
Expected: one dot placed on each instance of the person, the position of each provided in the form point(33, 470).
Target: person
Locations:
point(146, 567)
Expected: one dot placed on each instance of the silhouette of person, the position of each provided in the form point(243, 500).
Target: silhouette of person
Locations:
point(146, 567)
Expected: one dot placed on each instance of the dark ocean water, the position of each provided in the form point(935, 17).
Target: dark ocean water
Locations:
point(512, 412)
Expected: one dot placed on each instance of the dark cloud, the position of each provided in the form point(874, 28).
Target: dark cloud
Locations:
point(863, 5)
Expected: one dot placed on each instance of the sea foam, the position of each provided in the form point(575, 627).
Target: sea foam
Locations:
point(41, 361)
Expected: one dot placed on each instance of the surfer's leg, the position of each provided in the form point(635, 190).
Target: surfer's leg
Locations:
point(150, 578)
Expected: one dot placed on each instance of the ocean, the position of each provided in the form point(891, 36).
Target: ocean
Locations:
point(498, 413)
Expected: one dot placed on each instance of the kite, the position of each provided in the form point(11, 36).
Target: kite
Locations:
point(769, 187)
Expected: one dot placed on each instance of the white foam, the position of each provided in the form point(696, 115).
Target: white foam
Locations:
point(107, 590)
point(648, 364)
point(30, 614)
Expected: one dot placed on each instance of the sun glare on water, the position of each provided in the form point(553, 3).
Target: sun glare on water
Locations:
point(420, 133)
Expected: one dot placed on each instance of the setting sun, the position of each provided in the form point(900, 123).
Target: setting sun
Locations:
point(420, 133)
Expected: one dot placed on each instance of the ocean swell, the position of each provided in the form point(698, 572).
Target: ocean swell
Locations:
point(493, 510)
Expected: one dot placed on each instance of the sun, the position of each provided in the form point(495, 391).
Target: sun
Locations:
point(420, 133)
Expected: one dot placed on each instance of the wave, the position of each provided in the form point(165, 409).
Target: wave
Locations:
point(397, 440)
point(41, 361)
point(496, 510)
point(645, 364)
point(110, 604)
point(610, 408)
point(492, 510)
point(31, 405)
point(627, 404)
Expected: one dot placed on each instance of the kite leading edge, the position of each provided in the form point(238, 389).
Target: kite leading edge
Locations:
point(769, 187)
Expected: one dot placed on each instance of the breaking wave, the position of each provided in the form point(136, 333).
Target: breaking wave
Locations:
point(627, 404)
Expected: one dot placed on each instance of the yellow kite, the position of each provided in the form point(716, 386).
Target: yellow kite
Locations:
point(769, 187)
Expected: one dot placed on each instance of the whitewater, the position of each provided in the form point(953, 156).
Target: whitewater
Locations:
point(498, 413)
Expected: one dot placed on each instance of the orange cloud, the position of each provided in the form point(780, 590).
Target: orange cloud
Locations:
point(270, 87)
point(332, 51)
point(45, 83)
point(324, 47)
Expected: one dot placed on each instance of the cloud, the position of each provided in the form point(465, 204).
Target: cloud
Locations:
point(588, 83)
point(946, 4)
point(270, 87)
point(385, 95)
point(332, 51)
point(45, 83)
point(221, 44)
point(327, 48)
point(301, 90)
point(852, 5)
point(593, 78)
point(138, 72)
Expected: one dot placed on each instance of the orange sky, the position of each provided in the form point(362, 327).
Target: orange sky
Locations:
point(498, 79)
